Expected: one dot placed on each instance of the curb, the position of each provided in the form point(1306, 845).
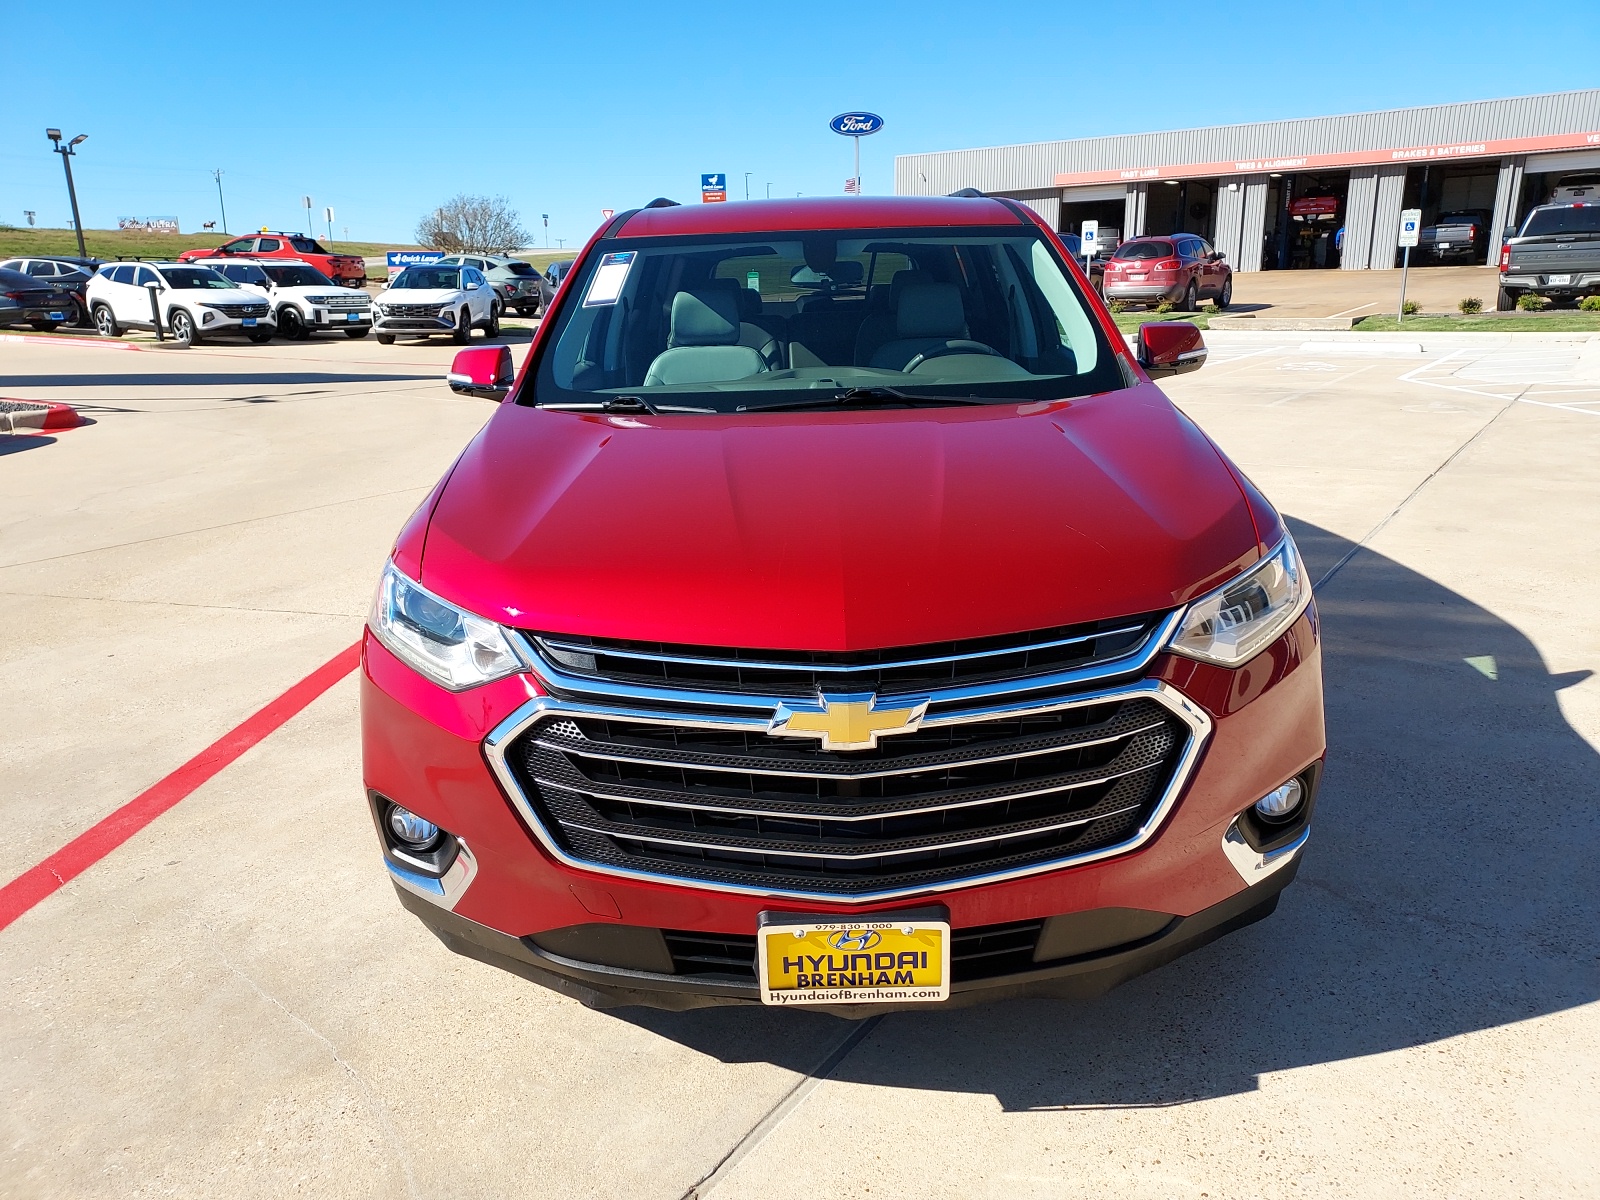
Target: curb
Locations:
point(71, 339)
point(32, 415)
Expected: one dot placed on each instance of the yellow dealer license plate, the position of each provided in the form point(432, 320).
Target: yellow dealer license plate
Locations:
point(892, 958)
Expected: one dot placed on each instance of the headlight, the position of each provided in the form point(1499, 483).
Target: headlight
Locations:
point(447, 644)
point(381, 310)
point(1233, 623)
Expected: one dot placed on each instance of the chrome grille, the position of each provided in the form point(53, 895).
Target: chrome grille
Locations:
point(885, 672)
point(412, 310)
point(950, 802)
point(241, 310)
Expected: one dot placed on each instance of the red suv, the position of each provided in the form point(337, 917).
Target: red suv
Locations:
point(834, 613)
point(346, 270)
point(1182, 268)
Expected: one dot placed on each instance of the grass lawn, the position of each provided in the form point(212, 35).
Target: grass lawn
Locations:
point(109, 243)
point(1552, 322)
point(1129, 322)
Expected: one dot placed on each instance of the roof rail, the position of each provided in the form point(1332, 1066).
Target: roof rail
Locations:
point(663, 202)
point(970, 194)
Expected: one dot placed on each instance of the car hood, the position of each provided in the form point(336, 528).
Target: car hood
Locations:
point(837, 531)
point(420, 296)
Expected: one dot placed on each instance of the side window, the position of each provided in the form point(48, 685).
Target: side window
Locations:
point(473, 276)
point(268, 245)
point(145, 275)
point(239, 246)
point(122, 274)
point(237, 274)
point(42, 268)
point(1204, 248)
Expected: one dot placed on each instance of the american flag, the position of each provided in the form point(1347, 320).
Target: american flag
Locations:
point(852, 187)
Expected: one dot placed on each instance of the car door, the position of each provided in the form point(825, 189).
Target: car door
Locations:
point(480, 296)
point(1210, 270)
point(269, 245)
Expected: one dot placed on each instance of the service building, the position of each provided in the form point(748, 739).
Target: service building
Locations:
point(1321, 192)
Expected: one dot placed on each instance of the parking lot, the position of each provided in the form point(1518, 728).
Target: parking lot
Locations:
point(233, 1002)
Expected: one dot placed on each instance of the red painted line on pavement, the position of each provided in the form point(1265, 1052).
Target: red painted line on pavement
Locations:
point(100, 839)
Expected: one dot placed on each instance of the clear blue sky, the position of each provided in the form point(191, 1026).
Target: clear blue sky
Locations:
point(385, 109)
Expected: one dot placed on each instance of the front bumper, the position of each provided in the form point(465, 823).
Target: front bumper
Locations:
point(413, 326)
point(425, 748)
point(324, 318)
point(222, 324)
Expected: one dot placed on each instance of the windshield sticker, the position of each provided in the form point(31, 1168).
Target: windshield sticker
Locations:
point(607, 283)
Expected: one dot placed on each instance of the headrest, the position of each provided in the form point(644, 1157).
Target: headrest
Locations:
point(904, 279)
point(749, 303)
point(705, 317)
point(930, 310)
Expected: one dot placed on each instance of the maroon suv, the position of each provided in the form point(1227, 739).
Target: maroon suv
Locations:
point(1182, 268)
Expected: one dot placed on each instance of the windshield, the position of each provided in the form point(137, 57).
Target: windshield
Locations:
point(183, 278)
point(1144, 250)
point(1572, 218)
point(430, 278)
point(726, 323)
point(298, 276)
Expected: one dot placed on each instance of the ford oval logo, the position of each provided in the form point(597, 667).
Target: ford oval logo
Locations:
point(856, 124)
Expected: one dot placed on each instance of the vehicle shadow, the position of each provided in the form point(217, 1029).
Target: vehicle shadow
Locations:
point(15, 443)
point(1448, 887)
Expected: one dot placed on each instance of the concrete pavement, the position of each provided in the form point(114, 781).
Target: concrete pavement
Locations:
point(234, 1001)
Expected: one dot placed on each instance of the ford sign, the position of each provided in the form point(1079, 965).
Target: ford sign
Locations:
point(856, 124)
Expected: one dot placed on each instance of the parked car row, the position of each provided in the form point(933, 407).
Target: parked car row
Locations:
point(346, 270)
point(64, 278)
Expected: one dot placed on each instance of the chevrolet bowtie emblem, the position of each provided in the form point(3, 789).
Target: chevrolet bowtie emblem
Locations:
point(852, 722)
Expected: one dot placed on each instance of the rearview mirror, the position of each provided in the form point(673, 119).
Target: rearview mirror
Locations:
point(485, 371)
point(1170, 348)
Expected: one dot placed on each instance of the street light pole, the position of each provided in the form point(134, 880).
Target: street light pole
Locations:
point(769, 191)
point(220, 202)
point(747, 175)
point(66, 153)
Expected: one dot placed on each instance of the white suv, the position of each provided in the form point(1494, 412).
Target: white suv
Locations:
point(303, 299)
point(430, 298)
point(194, 301)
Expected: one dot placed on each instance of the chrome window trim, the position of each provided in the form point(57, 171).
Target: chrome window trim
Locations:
point(953, 764)
point(1134, 662)
point(496, 744)
point(556, 643)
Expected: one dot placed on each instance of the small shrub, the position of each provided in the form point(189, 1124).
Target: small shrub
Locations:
point(1212, 309)
point(1411, 308)
point(1470, 305)
point(1590, 304)
point(1119, 306)
point(1165, 306)
point(1531, 302)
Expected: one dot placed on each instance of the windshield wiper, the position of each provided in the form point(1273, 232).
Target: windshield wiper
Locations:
point(863, 397)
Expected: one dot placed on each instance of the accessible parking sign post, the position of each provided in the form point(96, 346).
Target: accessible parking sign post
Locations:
point(1410, 235)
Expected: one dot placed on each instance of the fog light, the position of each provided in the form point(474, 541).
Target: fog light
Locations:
point(410, 830)
point(1280, 803)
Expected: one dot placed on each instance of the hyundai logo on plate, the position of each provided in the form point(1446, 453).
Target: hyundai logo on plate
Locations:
point(854, 939)
point(856, 124)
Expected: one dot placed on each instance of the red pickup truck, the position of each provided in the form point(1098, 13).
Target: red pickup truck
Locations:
point(347, 270)
point(834, 613)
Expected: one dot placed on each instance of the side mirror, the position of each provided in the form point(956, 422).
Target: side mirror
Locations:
point(485, 371)
point(1218, 256)
point(1511, 232)
point(1169, 348)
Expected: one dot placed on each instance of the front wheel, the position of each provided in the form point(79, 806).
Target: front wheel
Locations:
point(491, 327)
point(292, 325)
point(260, 337)
point(386, 339)
point(1226, 297)
point(463, 329)
point(104, 323)
point(357, 333)
point(183, 330)
point(1506, 301)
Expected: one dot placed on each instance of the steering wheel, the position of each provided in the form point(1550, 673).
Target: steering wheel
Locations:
point(953, 347)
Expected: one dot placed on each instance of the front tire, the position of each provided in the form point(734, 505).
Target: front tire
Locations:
point(105, 323)
point(1506, 301)
point(386, 339)
point(491, 327)
point(356, 334)
point(260, 337)
point(292, 325)
point(183, 330)
point(463, 329)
